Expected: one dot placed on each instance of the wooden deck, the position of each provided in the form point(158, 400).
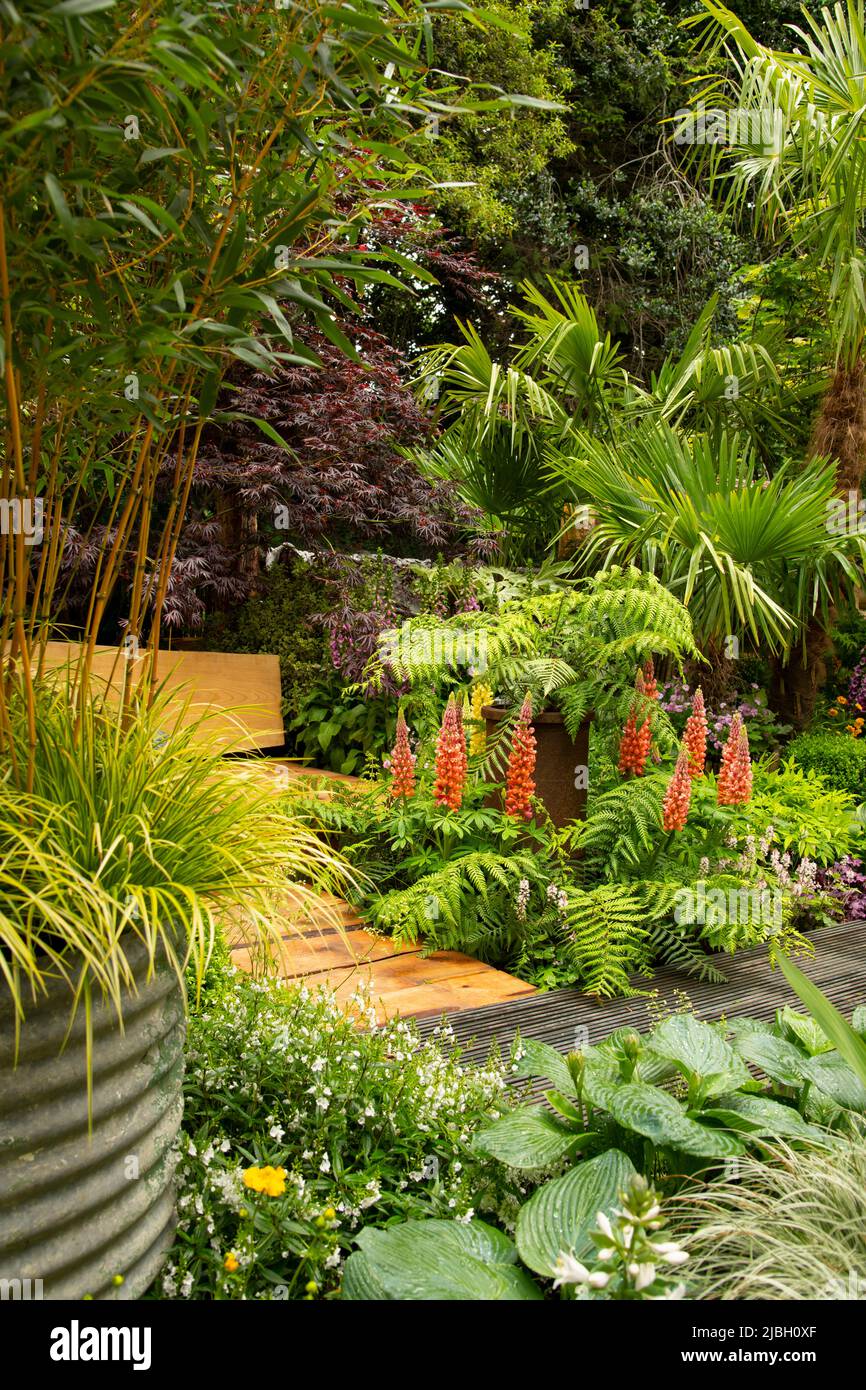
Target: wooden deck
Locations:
point(334, 950)
point(568, 1019)
point(400, 980)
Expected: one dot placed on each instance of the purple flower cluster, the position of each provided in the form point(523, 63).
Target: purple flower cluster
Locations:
point(846, 881)
point(857, 687)
point(676, 698)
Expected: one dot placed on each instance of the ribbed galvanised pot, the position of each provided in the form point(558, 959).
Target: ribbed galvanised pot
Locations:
point(83, 1201)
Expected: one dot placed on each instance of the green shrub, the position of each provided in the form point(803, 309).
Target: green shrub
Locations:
point(841, 760)
point(359, 1126)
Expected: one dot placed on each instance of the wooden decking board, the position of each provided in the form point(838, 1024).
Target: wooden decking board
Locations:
point(566, 1018)
point(318, 952)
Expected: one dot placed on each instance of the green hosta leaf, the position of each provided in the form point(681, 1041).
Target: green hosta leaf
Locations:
point(741, 1026)
point(565, 1107)
point(360, 1283)
point(858, 1020)
point(529, 1138)
point(699, 1051)
point(806, 1031)
point(761, 1116)
point(832, 1075)
point(436, 1260)
point(537, 1059)
point(778, 1059)
point(658, 1116)
point(558, 1218)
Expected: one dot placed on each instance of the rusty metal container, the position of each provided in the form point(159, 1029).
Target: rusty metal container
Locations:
point(562, 763)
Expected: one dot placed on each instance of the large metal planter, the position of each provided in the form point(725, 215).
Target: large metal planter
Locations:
point(79, 1204)
point(562, 763)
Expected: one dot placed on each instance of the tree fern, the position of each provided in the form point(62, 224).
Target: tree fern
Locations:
point(578, 647)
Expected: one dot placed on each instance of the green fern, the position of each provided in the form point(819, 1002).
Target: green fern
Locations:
point(671, 945)
point(624, 826)
point(606, 938)
point(446, 906)
point(577, 648)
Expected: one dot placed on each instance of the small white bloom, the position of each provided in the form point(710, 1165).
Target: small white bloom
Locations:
point(568, 1270)
point(603, 1224)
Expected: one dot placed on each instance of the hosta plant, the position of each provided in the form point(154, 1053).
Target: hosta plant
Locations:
point(474, 1261)
point(680, 1098)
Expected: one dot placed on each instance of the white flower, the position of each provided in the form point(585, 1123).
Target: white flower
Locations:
point(568, 1270)
point(276, 1132)
point(603, 1224)
point(325, 1165)
point(644, 1277)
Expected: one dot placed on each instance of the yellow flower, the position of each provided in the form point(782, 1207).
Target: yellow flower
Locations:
point(481, 696)
point(271, 1181)
point(330, 1214)
point(230, 1263)
point(840, 700)
point(832, 711)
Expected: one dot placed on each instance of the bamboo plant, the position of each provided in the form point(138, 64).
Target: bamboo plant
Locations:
point(179, 182)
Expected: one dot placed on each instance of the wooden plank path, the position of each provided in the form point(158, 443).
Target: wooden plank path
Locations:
point(331, 948)
point(566, 1018)
point(400, 980)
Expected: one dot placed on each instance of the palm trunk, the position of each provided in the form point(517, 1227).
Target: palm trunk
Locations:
point(839, 434)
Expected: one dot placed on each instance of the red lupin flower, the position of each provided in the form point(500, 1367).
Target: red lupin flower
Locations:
point(675, 806)
point(519, 783)
point(450, 759)
point(402, 762)
point(695, 737)
point(730, 754)
point(737, 787)
point(635, 742)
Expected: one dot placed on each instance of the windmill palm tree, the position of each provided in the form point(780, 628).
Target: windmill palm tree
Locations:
point(794, 161)
point(565, 381)
point(749, 555)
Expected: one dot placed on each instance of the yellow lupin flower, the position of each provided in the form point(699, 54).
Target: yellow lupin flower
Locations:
point(481, 696)
point(271, 1181)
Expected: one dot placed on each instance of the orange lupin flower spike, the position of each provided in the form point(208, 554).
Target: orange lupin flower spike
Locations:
point(635, 742)
point(675, 806)
point(651, 688)
point(450, 759)
point(402, 762)
point(730, 753)
point(695, 737)
point(519, 783)
point(739, 783)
